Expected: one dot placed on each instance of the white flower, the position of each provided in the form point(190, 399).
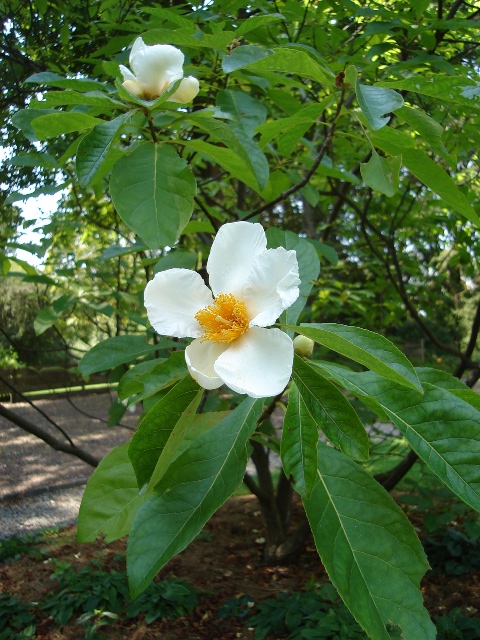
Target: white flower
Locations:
point(251, 286)
point(155, 68)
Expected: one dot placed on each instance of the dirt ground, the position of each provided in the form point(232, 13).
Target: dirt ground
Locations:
point(224, 562)
point(28, 465)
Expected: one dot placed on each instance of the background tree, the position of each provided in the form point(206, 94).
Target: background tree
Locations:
point(346, 129)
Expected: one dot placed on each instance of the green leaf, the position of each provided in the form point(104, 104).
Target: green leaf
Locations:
point(49, 315)
point(308, 267)
point(369, 349)
point(228, 160)
point(438, 180)
point(181, 438)
point(374, 102)
point(243, 56)
point(282, 59)
point(369, 549)
point(195, 485)
point(94, 149)
point(290, 130)
point(59, 98)
point(256, 22)
point(456, 89)
point(153, 190)
point(23, 120)
point(56, 124)
point(111, 498)
point(15, 196)
point(440, 426)
point(183, 38)
point(34, 160)
point(241, 144)
point(177, 406)
point(444, 380)
point(331, 411)
point(54, 80)
point(298, 448)
point(177, 259)
point(382, 174)
point(116, 250)
point(249, 113)
point(143, 382)
point(118, 350)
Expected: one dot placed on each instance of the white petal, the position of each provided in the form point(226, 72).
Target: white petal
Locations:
point(186, 92)
point(138, 45)
point(258, 364)
point(173, 298)
point(134, 87)
point(233, 251)
point(127, 74)
point(200, 358)
point(271, 286)
point(156, 66)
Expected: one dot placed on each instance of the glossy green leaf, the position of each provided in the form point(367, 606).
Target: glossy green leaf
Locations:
point(118, 350)
point(243, 56)
point(457, 89)
point(183, 37)
point(444, 380)
point(365, 347)
point(51, 79)
point(375, 101)
point(95, 148)
point(308, 267)
point(181, 438)
point(144, 380)
point(440, 426)
point(293, 61)
point(153, 190)
point(111, 498)
point(382, 174)
point(247, 150)
point(369, 549)
point(60, 98)
point(195, 485)
point(248, 112)
point(52, 125)
point(298, 448)
point(177, 406)
point(227, 159)
point(331, 411)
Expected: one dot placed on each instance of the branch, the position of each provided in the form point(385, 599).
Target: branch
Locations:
point(28, 426)
point(296, 187)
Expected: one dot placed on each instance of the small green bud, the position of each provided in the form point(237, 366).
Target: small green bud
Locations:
point(303, 346)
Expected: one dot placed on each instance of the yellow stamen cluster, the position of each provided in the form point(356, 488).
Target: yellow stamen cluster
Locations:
point(225, 320)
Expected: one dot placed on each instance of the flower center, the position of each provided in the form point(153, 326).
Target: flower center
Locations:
point(225, 320)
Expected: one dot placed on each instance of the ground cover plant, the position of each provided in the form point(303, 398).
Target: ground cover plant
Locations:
point(211, 159)
point(215, 589)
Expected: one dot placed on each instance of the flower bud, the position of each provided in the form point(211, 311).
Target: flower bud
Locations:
point(155, 68)
point(303, 346)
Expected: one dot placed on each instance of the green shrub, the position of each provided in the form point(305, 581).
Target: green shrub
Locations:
point(16, 618)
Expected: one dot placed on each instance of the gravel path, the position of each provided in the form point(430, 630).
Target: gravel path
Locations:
point(40, 487)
